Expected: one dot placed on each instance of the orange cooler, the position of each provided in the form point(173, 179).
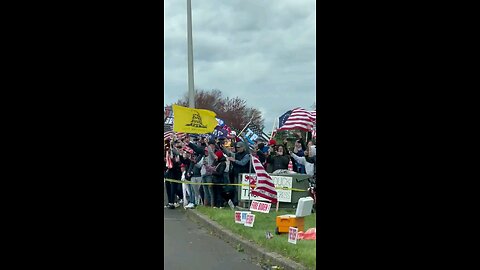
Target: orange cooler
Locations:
point(286, 221)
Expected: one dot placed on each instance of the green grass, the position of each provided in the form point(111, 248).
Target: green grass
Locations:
point(304, 252)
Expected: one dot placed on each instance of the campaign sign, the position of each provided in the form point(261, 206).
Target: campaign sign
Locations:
point(250, 220)
point(261, 207)
point(241, 216)
point(283, 195)
point(238, 217)
point(292, 235)
point(244, 216)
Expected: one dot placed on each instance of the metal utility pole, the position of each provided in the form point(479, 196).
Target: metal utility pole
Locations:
point(191, 91)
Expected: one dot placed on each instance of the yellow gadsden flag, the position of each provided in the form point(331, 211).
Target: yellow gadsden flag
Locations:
point(195, 121)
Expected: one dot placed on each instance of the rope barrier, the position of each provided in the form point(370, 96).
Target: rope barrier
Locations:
point(218, 184)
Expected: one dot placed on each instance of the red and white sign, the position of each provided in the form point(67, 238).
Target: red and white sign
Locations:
point(238, 217)
point(261, 207)
point(250, 220)
point(241, 216)
point(292, 235)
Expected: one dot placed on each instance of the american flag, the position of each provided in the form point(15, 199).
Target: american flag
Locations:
point(265, 187)
point(314, 131)
point(297, 118)
point(188, 149)
point(168, 159)
point(181, 136)
point(169, 133)
point(314, 115)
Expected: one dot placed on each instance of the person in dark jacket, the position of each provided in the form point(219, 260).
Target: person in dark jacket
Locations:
point(260, 153)
point(219, 178)
point(208, 160)
point(279, 160)
point(240, 162)
point(174, 189)
point(196, 177)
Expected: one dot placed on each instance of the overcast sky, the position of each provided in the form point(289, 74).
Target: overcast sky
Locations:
point(260, 50)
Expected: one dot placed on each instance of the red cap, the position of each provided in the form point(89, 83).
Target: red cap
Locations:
point(182, 166)
point(219, 154)
point(272, 142)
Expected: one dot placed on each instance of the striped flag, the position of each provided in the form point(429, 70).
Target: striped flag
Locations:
point(188, 149)
point(253, 133)
point(170, 134)
point(297, 118)
point(314, 131)
point(265, 187)
point(168, 159)
point(314, 115)
point(181, 135)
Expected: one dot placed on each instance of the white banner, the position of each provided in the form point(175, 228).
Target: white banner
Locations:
point(279, 181)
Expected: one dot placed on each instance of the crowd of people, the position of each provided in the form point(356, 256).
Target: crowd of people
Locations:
point(222, 161)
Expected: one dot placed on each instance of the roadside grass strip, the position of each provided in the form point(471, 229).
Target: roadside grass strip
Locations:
point(304, 252)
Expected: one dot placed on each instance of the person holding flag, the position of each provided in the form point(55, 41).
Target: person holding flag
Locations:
point(279, 160)
point(240, 162)
point(264, 186)
point(174, 172)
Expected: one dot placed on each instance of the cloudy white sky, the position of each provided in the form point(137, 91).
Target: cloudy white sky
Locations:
point(260, 50)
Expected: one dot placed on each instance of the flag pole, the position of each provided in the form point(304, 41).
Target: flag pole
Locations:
point(249, 172)
point(245, 127)
point(191, 92)
point(273, 127)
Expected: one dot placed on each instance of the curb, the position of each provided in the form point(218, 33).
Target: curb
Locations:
point(249, 247)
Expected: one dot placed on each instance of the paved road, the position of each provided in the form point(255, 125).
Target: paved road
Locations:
point(187, 246)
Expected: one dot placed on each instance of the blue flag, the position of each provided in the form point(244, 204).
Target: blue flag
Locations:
point(282, 119)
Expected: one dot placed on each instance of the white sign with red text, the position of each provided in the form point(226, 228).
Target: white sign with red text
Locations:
point(241, 216)
point(279, 181)
point(250, 220)
point(238, 217)
point(261, 207)
point(292, 235)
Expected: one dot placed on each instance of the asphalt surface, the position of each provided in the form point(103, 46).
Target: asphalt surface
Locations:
point(188, 246)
